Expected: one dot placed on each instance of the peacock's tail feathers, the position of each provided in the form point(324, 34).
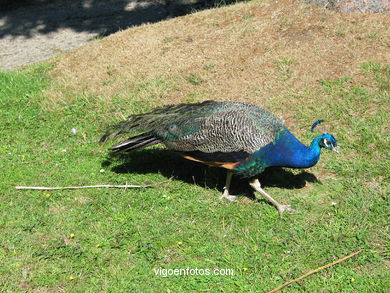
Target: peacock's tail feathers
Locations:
point(155, 120)
point(136, 142)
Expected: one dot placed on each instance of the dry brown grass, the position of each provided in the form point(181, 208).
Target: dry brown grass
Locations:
point(260, 52)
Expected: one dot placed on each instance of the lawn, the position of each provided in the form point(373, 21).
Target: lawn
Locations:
point(123, 240)
point(112, 239)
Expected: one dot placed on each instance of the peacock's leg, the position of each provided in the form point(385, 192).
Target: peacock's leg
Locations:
point(226, 194)
point(255, 183)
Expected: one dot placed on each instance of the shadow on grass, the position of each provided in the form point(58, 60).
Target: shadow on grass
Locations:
point(170, 165)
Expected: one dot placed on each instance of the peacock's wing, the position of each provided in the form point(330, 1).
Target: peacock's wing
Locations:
point(222, 128)
point(223, 131)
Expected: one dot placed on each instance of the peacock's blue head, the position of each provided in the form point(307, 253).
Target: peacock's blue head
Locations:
point(329, 142)
point(326, 140)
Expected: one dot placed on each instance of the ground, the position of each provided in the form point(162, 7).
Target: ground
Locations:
point(34, 31)
point(300, 62)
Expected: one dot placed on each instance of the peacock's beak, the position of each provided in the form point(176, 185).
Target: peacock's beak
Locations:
point(336, 149)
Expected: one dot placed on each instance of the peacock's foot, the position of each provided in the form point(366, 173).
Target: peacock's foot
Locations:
point(228, 196)
point(255, 183)
point(285, 208)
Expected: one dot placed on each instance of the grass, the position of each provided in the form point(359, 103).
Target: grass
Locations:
point(113, 240)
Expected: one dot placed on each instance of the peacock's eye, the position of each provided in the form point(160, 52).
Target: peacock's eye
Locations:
point(326, 143)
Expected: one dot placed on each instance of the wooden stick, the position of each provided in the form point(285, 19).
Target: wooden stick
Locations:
point(91, 186)
point(80, 187)
point(315, 271)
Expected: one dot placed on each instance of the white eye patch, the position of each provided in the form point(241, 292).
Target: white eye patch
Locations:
point(326, 143)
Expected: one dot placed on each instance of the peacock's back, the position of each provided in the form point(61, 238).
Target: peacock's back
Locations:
point(208, 127)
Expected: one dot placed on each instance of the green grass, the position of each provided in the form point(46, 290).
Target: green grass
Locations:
point(112, 240)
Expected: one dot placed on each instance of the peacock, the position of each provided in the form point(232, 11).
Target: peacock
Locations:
point(240, 137)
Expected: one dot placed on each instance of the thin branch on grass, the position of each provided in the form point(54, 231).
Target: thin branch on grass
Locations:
point(315, 271)
point(91, 186)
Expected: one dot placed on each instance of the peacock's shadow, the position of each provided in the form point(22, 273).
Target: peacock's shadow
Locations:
point(169, 164)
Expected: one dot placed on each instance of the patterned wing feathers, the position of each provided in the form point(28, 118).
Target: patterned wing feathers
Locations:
point(207, 127)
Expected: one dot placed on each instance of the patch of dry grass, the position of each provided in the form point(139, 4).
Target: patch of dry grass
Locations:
point(248, 52)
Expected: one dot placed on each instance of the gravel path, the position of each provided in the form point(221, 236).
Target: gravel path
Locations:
point(35, 32)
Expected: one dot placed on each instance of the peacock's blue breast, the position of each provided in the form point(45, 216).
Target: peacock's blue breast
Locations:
point(285, 151)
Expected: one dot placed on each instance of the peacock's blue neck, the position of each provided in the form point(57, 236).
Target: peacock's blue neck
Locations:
point(315, 148)
point(285, 151)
